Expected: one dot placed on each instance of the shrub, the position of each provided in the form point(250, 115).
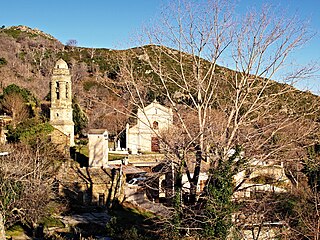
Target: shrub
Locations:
point(3, 61)
point(88, 85)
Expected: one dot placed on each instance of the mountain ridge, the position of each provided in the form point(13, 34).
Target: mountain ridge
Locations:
point(27, 57)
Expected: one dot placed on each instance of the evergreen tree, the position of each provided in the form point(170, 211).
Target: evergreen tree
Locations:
point(80, 119)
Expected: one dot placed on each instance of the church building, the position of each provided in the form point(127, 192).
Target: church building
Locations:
point(151, 120)
point(61, 104)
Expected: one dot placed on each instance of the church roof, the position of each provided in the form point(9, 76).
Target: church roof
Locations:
point(97, 131)
point(155, 104)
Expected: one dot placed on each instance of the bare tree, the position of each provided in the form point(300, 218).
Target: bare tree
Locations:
point(72, 43)
point(26, 186)
point(79, 71)
point(243, 107)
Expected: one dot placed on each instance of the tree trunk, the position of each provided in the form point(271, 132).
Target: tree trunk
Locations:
point(2, 230)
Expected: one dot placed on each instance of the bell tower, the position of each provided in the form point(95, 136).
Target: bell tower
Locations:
point(61, 100)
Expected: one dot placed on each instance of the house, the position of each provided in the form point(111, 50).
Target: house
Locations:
point(263, 177)
point(4, 121)
point(89, 186)
point(165, 185)
point(151, 120)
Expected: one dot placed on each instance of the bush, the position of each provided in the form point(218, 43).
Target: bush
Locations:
point(28, 131)
point(88, 85)
point(3, 61)
point(52, 222)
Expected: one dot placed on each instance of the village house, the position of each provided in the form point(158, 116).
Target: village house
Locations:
point(89, 186)
point(263, 177)
point(4, 121)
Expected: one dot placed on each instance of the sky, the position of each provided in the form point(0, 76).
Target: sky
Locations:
point(113, 23)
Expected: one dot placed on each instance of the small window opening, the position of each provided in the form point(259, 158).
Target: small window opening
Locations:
point(101, 199)
point(57, 90)
point(155, 125)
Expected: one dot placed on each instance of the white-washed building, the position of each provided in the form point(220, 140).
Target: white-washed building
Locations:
point(151, 121)
point(98, 147)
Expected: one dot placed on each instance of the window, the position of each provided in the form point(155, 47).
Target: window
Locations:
point(155, 125)
point(57, 90)
point(101, 199)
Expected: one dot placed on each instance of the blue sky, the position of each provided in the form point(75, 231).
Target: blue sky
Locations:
point(111, 23)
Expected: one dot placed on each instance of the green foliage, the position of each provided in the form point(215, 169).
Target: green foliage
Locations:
point(113, 157)
point(50, 221)
point(112, 72)
point(26, 94)
point(18, 33)
point(3, 61)
point(300, 212)
point(177, 204)
point(128, 223)
point(111, 227)
point(263, 179)
point(36, 131)
point(287, 205)
point(66, 56)
point(80, 119)
point(219, 207)
point(48, 96)
point(30, 100)
point(15, 231)
point(15, 33)
point(10, 191)
point(131, 233)
point(311, 167)
point(177, 207)
point(88, 85)
point(101, 61)
point(29, 131)
point(116, 231)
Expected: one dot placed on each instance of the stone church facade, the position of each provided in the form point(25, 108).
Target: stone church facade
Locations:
point(61, 104)
point(151, 120)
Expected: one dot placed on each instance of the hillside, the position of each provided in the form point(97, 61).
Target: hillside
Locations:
point(239, 129)
point(27, 57)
